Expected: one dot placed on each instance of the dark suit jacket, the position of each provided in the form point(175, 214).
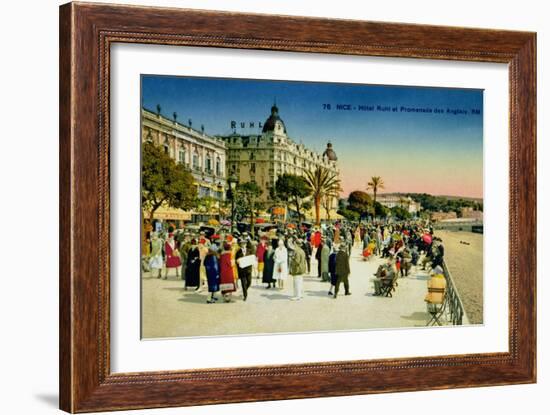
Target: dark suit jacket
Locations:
point(342, 264)
point(243, 272)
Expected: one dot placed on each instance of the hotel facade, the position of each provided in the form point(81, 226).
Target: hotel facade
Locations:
point(202, 154)
point(259, 158)
point(262, 158)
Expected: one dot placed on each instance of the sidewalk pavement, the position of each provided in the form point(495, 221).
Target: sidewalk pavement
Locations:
point(170, 311)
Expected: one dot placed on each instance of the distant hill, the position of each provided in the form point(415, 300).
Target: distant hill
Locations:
point(473, 199)
point(446, 203)
point(449, 197)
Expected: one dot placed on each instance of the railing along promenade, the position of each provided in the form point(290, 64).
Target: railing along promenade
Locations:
point(454, 306)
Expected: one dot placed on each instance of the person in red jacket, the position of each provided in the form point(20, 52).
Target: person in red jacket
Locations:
point(260, 252)
point(172, 255)
point(316, 238)
point(227, 275)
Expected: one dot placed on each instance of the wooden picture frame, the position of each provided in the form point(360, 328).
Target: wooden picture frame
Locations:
point(86, 33)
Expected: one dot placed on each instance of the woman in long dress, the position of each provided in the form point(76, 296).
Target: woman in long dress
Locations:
point(332, 272)
point(227, 277)
point(260, 253)
point(325, 253)
point(203, 250)
point(280, 271)
point(269, 264)
point(192, 271)
point(212, 268)
point(172, 256)
point(357, 236)
point(155, 258)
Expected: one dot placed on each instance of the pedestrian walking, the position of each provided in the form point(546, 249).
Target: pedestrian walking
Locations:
point(332, 271)
point(306, 247)
point(298, 267)
point(192, 271)
point(325, 253)
point(227, 278)
point(318, 257)
point(172, 256)
point(260, 253)
point(244, 271)
point(269, 264)
point(203, 250)
point(185, 245)
point(212, 268)
point(155, 259)
point(280, 272)
point(342, 270)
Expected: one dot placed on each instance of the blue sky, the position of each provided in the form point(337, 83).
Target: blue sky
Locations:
point(414, 152)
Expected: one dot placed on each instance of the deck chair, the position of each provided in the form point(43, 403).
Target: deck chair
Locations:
point(436, 299)
point(388, 285)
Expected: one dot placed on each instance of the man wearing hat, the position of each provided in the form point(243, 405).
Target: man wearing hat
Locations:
point(297, 268)
point(342, 270)
point(185, 246)
point(245, 273)
point(306, 247)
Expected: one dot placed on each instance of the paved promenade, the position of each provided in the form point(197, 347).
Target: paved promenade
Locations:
point(170, 311)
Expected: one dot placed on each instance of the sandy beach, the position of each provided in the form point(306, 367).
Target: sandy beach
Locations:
point(465, 262)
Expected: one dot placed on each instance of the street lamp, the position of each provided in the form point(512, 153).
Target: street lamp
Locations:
point(220, 199)
point(232, 180)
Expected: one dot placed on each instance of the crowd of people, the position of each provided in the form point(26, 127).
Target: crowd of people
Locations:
point(223, 263)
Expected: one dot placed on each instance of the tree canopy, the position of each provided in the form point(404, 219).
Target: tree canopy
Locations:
point(164, 182)
point(443, 203)
point(360, 202)
point(247, 197)
point(350, 215)
point(400, 213)
point(292, 189)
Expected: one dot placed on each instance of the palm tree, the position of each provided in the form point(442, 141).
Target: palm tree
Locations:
point(322, 182)
point(376, 183)
point(327, 199)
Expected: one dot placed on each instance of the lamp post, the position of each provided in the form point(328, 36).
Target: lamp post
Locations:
point(232, 180)
point(220, 199)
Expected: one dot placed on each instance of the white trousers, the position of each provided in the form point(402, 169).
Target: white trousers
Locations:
point(298, 282)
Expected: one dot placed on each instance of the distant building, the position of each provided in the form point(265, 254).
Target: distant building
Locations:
point(262, 158)
point(470, 213)
point(439, 216)
point(396, 200)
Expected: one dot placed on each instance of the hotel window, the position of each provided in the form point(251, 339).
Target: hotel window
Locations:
point(181, 158)
point(195, 160)
point(208, 163)
point(218, 167)
point(149, 137)
point(166, 146)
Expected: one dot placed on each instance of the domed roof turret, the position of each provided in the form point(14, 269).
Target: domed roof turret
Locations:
point(271, 122)
point(329, 152)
